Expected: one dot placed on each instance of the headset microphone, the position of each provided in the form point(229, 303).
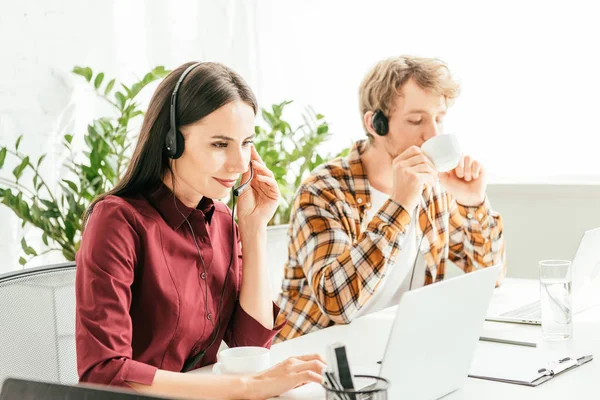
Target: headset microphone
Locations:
point(242, 188)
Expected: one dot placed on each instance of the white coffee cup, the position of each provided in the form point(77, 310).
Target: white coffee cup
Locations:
point(242, 360)
point(444, 151)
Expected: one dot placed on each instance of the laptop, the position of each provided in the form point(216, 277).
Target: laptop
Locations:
point(21, 389)
point(434, 336)
point(585, 270)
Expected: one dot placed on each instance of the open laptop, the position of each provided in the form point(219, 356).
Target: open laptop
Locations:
point(434, 336)
point(22, 389)
point(585, 275)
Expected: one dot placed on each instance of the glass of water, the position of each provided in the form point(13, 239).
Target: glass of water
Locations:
point(556, 300)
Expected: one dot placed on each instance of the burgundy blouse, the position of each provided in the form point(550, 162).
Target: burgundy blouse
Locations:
point(140, 288)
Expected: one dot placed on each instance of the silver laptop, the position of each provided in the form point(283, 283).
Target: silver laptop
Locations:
point(585, 289)
point(435, 333)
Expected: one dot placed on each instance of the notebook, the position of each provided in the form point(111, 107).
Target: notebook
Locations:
point(521, 365)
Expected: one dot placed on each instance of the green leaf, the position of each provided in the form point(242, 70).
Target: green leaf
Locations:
point(6, 193)
point(18, 171)
point(120, 100)
point(109, 87)
point(71, 185)
point(68, 253)
point(24, 211)
point(160, 71)
point(322, 129)
point(136, 113)
point(51, 205)
point(41, 159)
point(45, 238)
point(2, 156)
point(127, 90)
point(22, 261)
point(28, 250)
point(36, 213)
point(157, 73)
point(98, 80)
point(343, 153)
point(69, 230)
point(85, 72)
point(18, 143)
point(268, 117)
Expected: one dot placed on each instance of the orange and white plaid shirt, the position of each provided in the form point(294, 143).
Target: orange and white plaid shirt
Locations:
point(334, 266)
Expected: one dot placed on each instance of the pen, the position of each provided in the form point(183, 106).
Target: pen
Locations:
point(504, 341)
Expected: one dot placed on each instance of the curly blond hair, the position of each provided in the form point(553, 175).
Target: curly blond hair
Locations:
point(384, 82)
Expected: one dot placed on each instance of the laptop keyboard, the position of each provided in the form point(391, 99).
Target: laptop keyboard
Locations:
point(528, 311)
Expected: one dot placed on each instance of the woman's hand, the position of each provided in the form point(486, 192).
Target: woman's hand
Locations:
point(257, 205)
point(287, 375)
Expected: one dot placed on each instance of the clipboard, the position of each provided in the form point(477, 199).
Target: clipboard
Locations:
point(540, 376)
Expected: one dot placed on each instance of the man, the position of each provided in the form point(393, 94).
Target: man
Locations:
point(368, 227)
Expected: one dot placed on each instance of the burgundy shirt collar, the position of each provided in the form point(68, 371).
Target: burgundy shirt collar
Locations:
point(175, 212)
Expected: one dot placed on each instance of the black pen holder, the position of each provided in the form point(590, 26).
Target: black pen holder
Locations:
point(369, 387)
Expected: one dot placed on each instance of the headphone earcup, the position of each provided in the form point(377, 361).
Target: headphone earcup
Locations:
point(380, 123)
point(180, 144)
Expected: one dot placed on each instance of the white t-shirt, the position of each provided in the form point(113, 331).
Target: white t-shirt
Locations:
point(397, 278)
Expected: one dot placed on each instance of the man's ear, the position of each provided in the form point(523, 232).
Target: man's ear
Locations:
point(368, 121)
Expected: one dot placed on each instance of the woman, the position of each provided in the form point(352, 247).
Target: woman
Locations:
point(160, 278)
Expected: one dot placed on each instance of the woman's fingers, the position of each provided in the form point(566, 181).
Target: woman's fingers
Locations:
point(316, 366)
point(255, 156)
point(302, 378)
point(271, 190)
point(261, 168)
point(272, 183)
point(310, 357)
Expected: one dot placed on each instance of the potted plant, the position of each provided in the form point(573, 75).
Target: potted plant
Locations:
point(290, 153)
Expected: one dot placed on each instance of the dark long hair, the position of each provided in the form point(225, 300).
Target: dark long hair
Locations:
point(208, 87)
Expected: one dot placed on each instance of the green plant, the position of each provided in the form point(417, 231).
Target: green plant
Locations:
point(291, 153)
point(108, 142)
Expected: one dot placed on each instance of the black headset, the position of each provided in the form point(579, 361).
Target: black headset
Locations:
point(380, 123)
point(174, 145)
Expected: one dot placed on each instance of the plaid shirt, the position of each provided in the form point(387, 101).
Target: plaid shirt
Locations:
point(335, 263)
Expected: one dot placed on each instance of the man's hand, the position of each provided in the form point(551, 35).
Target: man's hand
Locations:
point(466, 183)
point(412, 170)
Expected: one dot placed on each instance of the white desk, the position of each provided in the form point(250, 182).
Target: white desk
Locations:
point(366, 337)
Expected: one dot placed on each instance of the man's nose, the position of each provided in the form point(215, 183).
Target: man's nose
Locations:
point(431, 130)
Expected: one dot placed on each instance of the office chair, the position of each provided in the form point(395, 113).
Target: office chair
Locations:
point(37, 324)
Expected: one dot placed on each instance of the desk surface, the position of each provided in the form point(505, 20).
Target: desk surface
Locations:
point(580, 383)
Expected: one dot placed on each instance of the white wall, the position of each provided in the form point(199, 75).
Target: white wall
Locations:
point(544, 222)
